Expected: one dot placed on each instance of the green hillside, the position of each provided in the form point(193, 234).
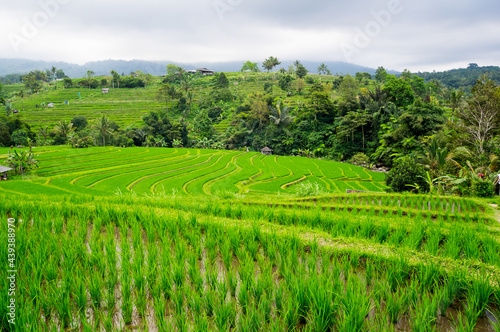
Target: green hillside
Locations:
point(127, 106)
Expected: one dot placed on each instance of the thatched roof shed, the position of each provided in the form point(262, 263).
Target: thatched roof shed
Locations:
point(267, 151)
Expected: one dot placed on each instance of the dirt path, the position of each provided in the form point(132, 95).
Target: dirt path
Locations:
point(496, 212)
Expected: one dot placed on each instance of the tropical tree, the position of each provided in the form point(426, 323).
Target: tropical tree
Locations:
point(351, 122)
point(250, 66)
point(455, 99)
point(280, 116)
point(90, 73)
point(165, 93)
point(480, 114)
point(380, 74)
point(301, 71)
point(2, 94)
point(64, 128)
point(104, 126)
point(222, 81)
point(270, 63)
point(323, 69)
point(116, 78)
point(399, 92)
point(44, 132)
point(435, 157)
point(22, 161)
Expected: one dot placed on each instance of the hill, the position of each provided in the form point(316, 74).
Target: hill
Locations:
point(21, 66)
point(462, 78)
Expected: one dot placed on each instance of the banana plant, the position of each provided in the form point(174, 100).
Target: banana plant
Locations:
point(21, 161)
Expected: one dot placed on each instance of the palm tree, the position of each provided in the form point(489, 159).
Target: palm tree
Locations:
point(281, 117)
point(44, 132)
point(90, 73)
point(455, 99)
point(104, 126)
point(64, 128)
point(270, 63)
point(323, 69)
point(435, 157)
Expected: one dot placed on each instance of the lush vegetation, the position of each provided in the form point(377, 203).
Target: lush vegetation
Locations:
point(150, 207)
point(453, 134)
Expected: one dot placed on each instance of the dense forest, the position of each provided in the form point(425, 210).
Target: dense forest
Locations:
point(463, 78)
point(435, 133)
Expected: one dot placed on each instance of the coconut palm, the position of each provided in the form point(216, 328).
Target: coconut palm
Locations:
point(104, 127)
point(455, 99)
point(323, 69)
point(64, 128)
point(90, 73)
point(281, 116)
point(44, 132)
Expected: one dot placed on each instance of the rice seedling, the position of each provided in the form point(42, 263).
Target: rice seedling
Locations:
point(452, 245)
point(448, 294)
point(63, 307)
point(243, 296)
point(355, 305)
point(95, 286)
point(141, 301)
point(324, 306)
point(291, 315)
point(425, 314)
point(478, 297)
point(396, 304)
point(434, 238)
point(209, 300)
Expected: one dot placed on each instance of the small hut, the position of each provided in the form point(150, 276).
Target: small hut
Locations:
point(267, 151)
point(3, 172)
point(105, 90)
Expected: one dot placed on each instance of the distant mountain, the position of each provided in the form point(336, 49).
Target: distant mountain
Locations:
point(463, 78)
point(22, 66)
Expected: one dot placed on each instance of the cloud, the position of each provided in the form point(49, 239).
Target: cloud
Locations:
point(418, 36)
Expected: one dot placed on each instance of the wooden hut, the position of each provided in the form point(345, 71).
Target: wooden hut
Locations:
point(3, 172)
point(267, 151)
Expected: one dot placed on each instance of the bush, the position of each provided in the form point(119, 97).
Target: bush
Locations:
point(407, 175)
point(482, 189)
point(360, 159)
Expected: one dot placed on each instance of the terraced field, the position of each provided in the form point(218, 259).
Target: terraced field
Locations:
point(164, 263)
point(193, 172)
point(156, 239)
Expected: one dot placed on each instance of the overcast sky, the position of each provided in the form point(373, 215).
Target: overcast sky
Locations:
point(420, 35)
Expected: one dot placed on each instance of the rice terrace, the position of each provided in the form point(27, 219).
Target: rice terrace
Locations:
point(253, 201)
point(198, 240)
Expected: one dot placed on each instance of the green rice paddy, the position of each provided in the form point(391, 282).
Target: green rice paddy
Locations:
point(157, 239)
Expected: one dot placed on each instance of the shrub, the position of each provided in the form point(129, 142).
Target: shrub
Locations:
point(407, 175)
point(482, 189)
point(360, 159)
